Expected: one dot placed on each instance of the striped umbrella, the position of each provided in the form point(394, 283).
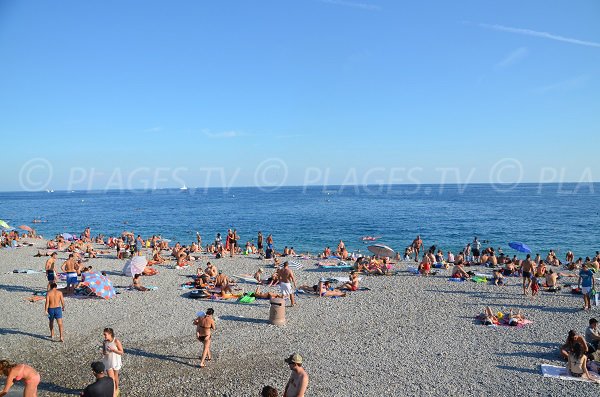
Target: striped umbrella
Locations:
point(100, 285)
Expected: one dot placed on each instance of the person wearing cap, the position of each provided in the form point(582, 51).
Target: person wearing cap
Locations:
point(103, 386)
point(298, 382)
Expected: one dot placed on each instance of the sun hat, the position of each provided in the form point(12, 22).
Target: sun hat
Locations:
point(294, 358)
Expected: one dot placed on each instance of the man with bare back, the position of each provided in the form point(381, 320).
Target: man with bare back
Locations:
point(55, 304)
point(527, 270)
point(286, 279)
point(51, 269)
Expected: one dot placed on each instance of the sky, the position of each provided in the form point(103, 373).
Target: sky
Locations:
point(153, 94)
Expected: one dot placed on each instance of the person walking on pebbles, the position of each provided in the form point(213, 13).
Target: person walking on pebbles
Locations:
point(298, 382)
point(112, 350)
point(286, 279)
point(54, 307)
point(205, 325)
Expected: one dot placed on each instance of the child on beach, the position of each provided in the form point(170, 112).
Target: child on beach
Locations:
point(535, 286)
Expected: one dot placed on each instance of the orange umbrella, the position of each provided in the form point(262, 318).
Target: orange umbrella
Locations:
point(25, 227)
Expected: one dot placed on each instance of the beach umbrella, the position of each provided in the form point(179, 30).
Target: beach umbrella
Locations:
point(135, 265)
point(100, 285)
point(517, 245)
point(25, 227)
point(4, 224)
point(381, 250)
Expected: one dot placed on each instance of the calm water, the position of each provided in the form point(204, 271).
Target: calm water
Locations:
point(545, 217)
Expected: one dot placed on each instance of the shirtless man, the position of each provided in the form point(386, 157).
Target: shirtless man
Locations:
point(286, 278)
point(298, 382)
point(55, 304)
point(551, 279)
point(204, 327)
point(51, 269)
point(527, 270)
point(70, 267)
point(352, 285)
point(417, 244)
point(211, 270)
point(222, 281)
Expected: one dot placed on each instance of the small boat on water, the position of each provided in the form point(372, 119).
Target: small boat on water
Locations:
point(183, 187)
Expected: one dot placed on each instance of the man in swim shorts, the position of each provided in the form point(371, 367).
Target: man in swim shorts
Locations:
point(416, 245)
point(527, 270)
point(51, 269)
point(286, 278)
point(55, 304)
point(70, 267)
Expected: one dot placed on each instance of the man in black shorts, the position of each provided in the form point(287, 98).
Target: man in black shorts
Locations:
point(527, 270)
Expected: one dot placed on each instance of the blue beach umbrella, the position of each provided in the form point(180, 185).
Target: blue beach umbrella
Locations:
point(517, 245)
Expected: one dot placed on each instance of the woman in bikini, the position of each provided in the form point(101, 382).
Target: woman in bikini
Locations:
point(205, 325)
point(17, 372)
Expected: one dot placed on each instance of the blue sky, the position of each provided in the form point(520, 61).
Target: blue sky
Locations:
point(106, 93)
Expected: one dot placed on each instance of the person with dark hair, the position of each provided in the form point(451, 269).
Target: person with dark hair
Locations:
point(587, 283)
point(55, 304)
point(205, 325)
point(576, 363)
point(572, 339)
point(268, 391)
point(17, 372)
point(51, 269)
point(137, 284)
point(104, 386)
point(112, 350)
point(527, 270)
point(298, 382)
point(592, 335)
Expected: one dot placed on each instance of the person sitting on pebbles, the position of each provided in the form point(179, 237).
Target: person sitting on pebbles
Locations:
point(258, 275)
point(222, 281)
point(352, 285)
point(137, 284)
point(459, 272)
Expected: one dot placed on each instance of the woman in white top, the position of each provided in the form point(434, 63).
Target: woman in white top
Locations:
point(112, 350)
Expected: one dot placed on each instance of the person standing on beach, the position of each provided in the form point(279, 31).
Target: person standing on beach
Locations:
point(476, 249)
point(104, 386)
point(234, 243)
point(112, 351)
point(527, 270)
point(70, 267)
point(286, 278)
point(417, 244)
point(199, 239)
point(139, 243)
point(205, 325)
point(51, 269)
point(259, 243)
point(298, 382)
point(587, 283)
point(54, 307)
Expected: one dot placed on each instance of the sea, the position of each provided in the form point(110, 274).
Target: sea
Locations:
point(309, 218)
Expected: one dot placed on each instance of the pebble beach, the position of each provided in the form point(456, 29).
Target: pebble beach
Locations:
point(406, 335)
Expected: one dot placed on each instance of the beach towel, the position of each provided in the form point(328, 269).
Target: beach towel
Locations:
point(295, 265)
point(456, 279)
point(560, 372)
point(247, 298)
point(246, 278)
point(343, 279)
point(478, 279)
point(412, 269)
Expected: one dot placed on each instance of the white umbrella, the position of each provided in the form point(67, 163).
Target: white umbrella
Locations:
point(381, 250)
point(135, 265)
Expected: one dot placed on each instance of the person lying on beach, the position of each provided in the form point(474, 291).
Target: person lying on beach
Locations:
point(182, 260)
point(573, 338)
point(137, 284)
point(514, 319)
point(459, 272)
point(40, 254)
point(90, 251)
point(157, 259)
point(258, 294)
point(576, 265)
point(326, 290)
point(488, 318)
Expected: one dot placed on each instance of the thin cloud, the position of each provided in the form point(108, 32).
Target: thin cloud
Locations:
point(565, 85)
point(154, 129)
point(544, 35)
point(364, 6)
point(512, 58)
point(288, 136)
point(223, 134)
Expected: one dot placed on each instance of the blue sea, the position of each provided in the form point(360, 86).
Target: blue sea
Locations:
point(549, 216)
